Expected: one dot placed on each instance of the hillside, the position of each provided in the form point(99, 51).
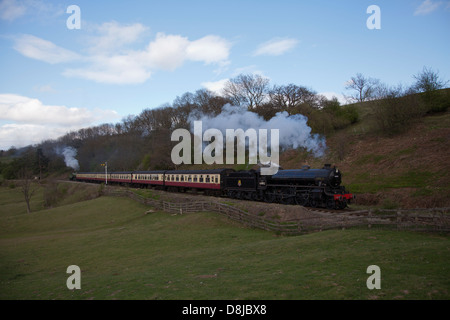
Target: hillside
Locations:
point(407, 170)
point(410, 169)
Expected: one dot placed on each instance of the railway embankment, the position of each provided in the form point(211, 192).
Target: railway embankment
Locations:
point(291, 219)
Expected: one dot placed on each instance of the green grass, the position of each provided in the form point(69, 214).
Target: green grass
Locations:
point(373, 183)
point(126, 254)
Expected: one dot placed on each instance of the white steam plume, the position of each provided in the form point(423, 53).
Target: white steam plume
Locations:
point(294, 131)
point(69, 154)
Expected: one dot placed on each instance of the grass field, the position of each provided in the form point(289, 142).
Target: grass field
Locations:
point(124, 253)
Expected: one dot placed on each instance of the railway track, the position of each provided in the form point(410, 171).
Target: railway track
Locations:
point(201, 194)
point(328, 211)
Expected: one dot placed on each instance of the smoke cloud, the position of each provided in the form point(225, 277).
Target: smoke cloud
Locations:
point(293, 129)
point(69, 154)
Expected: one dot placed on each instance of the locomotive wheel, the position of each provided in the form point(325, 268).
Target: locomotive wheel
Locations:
point(288, 200)
point(268, 197)
point(331, 204)
point(342, 205)
point(302, 199)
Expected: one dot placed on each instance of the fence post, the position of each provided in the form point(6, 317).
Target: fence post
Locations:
point(369, 219)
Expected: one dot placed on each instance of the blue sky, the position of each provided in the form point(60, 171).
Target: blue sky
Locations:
point(131, 55)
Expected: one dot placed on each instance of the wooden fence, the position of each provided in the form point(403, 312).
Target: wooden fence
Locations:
point(436, 220)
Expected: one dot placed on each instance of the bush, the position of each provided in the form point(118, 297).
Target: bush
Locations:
point(396, 110)
point(436, 101)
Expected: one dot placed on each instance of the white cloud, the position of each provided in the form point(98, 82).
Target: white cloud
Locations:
point(113, 36)
point(276, 47)
point(11, 10)
point(21, 135)
point(40, 49)
point(427, 7)
point(165, 52)
point(209, 49)
point(110, 59)
point(117, 69)
point(31, 9)
point(215, 86)
point(45, 88)
point(31, 121)
point(169, 52)
point(27, 110)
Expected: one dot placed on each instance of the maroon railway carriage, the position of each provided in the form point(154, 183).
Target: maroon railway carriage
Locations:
point(92, 177)
point(147, 179)
point(212, 180)
point(124, 178)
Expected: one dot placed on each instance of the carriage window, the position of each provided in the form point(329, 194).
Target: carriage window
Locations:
point(189, 178)
point(177, 178)
point(195, 178)
point(201, 179)
point(182, 178)
point(207, 179)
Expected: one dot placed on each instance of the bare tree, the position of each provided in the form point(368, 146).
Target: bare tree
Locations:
point(428, 80)
point(365, 87)
point(290, 96)
point(26, 183)
point(249, 90)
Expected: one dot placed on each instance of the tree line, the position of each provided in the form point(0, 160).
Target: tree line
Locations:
point(142, 142)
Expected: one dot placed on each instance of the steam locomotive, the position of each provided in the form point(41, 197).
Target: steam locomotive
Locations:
point(305, 186)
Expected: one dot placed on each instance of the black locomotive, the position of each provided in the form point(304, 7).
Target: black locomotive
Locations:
point(305, 186)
